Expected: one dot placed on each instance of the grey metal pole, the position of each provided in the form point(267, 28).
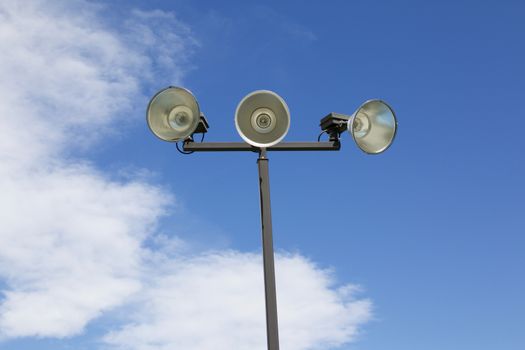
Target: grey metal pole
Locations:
point(272, 329)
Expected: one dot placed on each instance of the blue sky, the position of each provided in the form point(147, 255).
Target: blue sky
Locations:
point(431, 230)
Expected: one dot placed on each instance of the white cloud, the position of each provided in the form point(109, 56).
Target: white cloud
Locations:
point(72, 241)
point(70, 247)
point(216, 301)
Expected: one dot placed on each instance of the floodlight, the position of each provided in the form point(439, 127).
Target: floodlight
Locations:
point(173, 114)
point(262, 118)
point(373, 126)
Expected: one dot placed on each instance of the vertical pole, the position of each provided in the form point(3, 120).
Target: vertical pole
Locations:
point(272, 332)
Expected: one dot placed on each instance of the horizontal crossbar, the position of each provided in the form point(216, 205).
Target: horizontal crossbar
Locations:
point(191, 146)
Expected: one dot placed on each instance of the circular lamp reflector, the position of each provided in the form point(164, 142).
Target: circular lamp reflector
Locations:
point(373, 126)
point(262, 118)
point(173, 114)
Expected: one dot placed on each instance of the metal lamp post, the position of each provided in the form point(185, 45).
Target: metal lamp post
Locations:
point(262, 120)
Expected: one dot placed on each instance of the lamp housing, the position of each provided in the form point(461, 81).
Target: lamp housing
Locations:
point(173, 114)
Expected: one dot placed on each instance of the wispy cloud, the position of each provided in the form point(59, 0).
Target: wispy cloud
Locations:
point(287, 24)
point(72, 240)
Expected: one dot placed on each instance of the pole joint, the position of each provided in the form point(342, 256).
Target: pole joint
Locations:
point(262, 153)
